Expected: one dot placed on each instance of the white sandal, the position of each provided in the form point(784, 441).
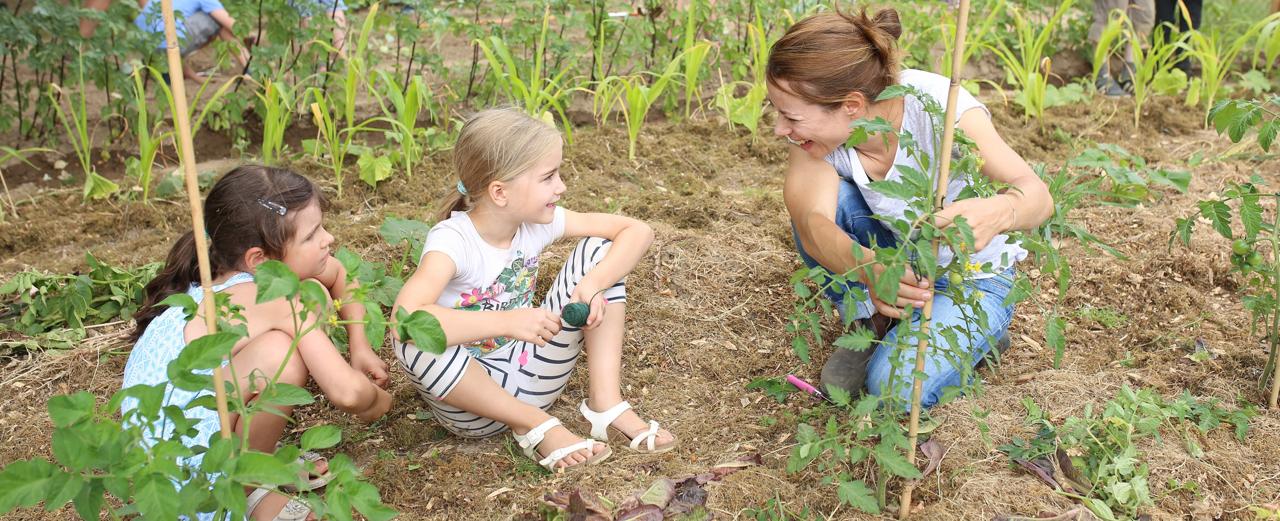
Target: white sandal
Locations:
point(529, 443)
point(602, 421)
point(294, 510)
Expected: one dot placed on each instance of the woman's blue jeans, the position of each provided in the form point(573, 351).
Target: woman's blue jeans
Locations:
point(943, 367)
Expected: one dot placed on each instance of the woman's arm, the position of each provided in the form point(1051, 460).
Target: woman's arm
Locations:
point(1026, 204)
point(810, 192)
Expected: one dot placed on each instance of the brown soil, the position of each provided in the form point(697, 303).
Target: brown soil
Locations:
point(708, 311)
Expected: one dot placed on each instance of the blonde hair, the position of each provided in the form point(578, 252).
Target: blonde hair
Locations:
point(496, 145)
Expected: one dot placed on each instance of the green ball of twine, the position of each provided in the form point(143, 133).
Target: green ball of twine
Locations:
point(576, 313)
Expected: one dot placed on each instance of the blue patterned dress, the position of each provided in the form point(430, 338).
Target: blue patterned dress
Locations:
point(160, 344)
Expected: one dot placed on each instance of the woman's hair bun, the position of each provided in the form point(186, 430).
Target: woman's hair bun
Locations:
point(887, 20)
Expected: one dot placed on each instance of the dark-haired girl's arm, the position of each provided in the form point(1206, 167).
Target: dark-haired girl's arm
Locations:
point(363, 358)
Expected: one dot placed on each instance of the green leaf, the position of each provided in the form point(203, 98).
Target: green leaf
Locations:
point(191, 370)
point(88, 502)
point(68, 409)
point(421, 329)
point(72, 449)
point(275, 280)
point(286, 394)
point(1178, 179)
point(321, 437)
point(1251, 216)
point(856, 494)
point(1182, 230)
point(1219, 214)
point(314, 299)
point(893, 462)
point(181, 300)
point(25, 483)
point(62, 488)
point(374, 169)
point(375, 328)
point(1267, 133)
point(256, 467)
point(396, 231)
point(1054, 335)
point(858, 339)
point(155, 497)
point(1169, 82)
point(800, 345)
point(98, 187)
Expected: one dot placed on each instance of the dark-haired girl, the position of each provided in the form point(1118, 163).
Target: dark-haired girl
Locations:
point(254, 214)
point(824, 74)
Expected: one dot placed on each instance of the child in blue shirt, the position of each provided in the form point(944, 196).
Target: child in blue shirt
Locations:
point(198, 23)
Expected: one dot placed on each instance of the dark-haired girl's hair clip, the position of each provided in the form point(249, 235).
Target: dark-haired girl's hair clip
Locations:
point(274, 207)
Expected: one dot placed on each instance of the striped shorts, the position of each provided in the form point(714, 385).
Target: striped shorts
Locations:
point(532, 374)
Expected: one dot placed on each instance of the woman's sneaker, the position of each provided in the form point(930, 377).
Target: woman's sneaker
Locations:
point(846, 368)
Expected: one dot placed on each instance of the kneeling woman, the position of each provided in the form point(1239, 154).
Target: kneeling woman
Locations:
point(824, 75)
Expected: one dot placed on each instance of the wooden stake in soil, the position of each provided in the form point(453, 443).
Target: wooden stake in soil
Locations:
point(944, 173)
point(180, 120)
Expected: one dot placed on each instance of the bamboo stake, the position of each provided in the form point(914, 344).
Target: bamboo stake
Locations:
point(180, 119)
point(944, 173)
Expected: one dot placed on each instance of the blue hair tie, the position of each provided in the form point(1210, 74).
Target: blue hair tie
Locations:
point(462, 189)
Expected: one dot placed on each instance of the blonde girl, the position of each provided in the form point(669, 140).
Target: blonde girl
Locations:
point(509, 359)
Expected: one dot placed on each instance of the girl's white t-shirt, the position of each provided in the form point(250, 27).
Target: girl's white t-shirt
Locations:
point(488, 278)
point(1001, 252)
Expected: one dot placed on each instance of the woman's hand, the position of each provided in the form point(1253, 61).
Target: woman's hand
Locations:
point(987, 217)
point(591, 295)
point(533, 325)
point(912, 291)
point(370, 365)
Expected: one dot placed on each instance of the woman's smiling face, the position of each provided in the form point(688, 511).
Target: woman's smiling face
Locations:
point(813, 128)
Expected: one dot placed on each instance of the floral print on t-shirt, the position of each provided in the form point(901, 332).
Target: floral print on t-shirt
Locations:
point(512, 289)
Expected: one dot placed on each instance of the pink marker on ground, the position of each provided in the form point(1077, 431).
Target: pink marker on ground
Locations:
point(806, 387)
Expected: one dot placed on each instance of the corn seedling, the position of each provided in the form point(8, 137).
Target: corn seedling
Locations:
point(1268, 46)
point(337, 141)
point(747, 110)
point(694, 56)
point(275, 108)
point(149, 137)
point(980, 35)
point(75, 121)
point(1216, 56)
point(636, 97)
point(406, 104)
point(532, 90)
point(7, 153)
point(207, 105)
point(1028, 67)
point(604, 98)
point(1112, 39)
point(1149, 66)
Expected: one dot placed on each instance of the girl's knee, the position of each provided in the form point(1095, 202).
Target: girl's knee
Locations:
point(268, 351)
